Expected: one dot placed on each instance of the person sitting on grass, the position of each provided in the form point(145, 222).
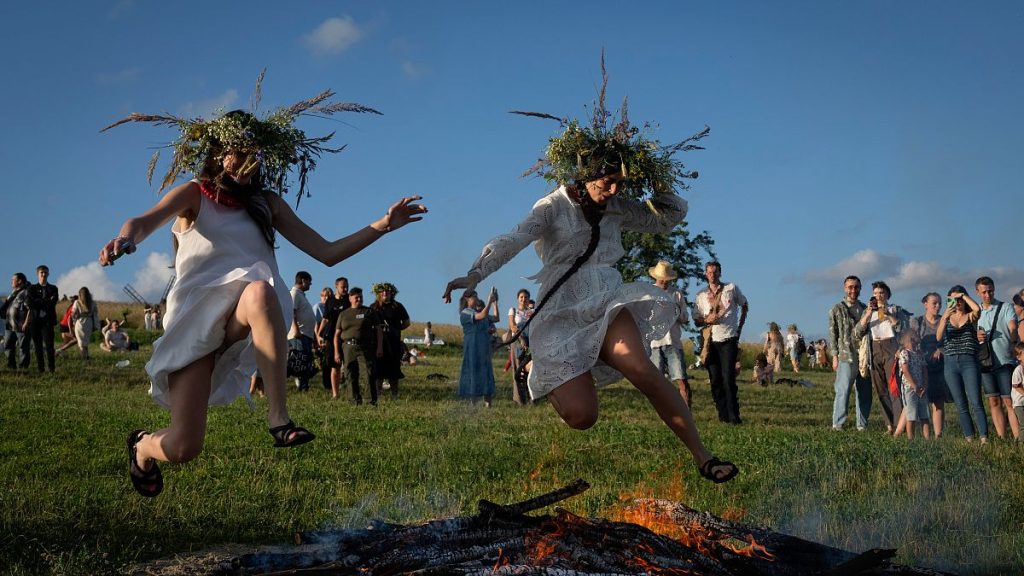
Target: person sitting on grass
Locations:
point(229, 309)
point(764, 371)
point(115, 339)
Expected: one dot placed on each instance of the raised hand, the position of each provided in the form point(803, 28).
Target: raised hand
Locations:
point(467, 282)
point(402, 212)
point(115, 249)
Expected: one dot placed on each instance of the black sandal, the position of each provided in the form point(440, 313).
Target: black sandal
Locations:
point(709, 469)
point(148, 483)
point(289, 435)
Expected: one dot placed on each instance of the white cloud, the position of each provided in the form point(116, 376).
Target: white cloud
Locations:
point(93, 277)
point(333, 36)
point(151, 280)
point(865, 264)
point(412, 70)
point(210, 106)
point(913, 277)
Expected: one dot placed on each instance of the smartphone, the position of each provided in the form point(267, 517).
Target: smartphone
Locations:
point(950, 302)
point(873, 302)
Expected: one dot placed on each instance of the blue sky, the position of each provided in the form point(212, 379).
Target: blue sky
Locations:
point(876, 138)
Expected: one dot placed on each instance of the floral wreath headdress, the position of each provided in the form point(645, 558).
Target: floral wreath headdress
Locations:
point(382, 286)
point(272, 144)
point(585, 152)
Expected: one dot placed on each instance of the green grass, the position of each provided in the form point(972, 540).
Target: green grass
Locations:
point(66, 505)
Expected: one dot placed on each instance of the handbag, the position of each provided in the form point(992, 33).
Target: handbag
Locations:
point(300, 360)
point(705, 349)
point(894, 379)
point(864, 357)
point(985, 355)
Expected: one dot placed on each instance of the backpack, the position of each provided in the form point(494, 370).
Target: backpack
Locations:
point(801, 346)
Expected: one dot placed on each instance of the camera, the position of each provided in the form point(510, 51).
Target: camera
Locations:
point(873, 302)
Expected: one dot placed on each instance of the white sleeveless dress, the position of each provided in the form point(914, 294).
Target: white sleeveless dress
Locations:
point(218, 256)
point(567, 334)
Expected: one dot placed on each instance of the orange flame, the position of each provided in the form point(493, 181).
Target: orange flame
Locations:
point(753, 549)
point(501, 561)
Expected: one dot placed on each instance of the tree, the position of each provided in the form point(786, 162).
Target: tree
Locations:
point(687, 254)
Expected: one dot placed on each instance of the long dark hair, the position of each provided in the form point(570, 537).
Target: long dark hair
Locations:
point(252, 196)
point(592, 213)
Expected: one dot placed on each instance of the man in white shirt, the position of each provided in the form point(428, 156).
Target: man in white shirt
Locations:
point(303, 327)
point(667, 352)
point(724, 308)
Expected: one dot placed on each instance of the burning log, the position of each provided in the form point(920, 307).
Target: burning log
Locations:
point(502, 540)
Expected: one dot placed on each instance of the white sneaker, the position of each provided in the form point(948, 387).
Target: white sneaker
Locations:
point(386, 386)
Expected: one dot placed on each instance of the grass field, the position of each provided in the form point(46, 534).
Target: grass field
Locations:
point(66, 505)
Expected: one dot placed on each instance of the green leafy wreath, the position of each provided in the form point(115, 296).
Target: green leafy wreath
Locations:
point(273, 143)
point(581, 152)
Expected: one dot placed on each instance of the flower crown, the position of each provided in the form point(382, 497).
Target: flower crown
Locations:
point(273, 144)
point(585, 152)
point(382, 286)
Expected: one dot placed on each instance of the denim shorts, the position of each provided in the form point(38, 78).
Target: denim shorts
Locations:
point(670, 360)
point(997, 382)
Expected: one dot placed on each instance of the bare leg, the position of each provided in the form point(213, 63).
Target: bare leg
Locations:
point(995, 407)
point(623, 350)
point(901, 425)
point(259, 313)
point(1011, 416)
point(576, 401)
point(938, 414)
point(910, 427)
point(684, 390)
point(189, 391)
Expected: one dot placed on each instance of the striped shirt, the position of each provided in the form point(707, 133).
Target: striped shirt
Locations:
point(962, 340)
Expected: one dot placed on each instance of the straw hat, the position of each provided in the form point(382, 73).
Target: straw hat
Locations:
point(662, 271)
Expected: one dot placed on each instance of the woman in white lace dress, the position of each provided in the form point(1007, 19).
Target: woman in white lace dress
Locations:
point(229, 309)
point(590, 328)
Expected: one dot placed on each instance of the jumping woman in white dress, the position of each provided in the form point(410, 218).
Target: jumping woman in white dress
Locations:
point(590, 328)
point(229, 309)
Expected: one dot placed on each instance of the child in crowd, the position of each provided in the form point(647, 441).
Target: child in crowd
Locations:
point(1017, 391)
point(764, 372)
point(914, 376)
point(821, 354)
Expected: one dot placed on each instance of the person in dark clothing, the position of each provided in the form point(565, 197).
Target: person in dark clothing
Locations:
point(393, 319)
point(43, 300)
point(358, 339)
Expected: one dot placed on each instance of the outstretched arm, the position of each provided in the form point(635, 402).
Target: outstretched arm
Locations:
point(311, 242)
point(182, 201)
point(503, 248)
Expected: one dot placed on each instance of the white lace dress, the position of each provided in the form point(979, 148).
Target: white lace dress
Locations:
point(566, 336)
point(218, 256)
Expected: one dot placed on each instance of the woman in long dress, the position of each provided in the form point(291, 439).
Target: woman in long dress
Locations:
point(476, 379)
point(86, 318)
point(589, 328)
point(228, 311)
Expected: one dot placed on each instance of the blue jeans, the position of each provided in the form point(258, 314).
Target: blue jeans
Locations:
point(848, 376)
point(964, 384)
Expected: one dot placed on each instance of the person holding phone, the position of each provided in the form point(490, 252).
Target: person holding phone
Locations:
point(884, 321)
point(960, 365)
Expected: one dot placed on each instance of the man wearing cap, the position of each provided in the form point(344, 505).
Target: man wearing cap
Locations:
point(667, 352)
point(724, 308)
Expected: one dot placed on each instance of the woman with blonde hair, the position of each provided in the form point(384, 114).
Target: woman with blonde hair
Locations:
point(774, 346)
point(86, 317)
